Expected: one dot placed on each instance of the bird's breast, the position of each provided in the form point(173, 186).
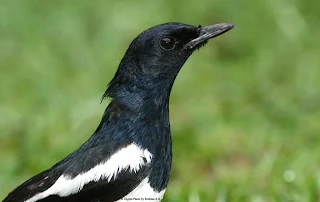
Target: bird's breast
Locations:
point(144, 192)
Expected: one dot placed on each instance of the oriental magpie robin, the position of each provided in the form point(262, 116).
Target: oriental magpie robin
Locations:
point(128, 157)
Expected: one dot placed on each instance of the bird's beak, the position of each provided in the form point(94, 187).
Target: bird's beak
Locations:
point(208, 32)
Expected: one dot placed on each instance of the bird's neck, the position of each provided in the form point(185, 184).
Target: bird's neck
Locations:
point(145, 102)
point(148, 96)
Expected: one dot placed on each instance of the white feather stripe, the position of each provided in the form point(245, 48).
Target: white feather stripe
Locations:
point(131, 157)
point(143, 192)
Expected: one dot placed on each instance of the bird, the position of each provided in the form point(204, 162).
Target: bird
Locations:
point(129, 155)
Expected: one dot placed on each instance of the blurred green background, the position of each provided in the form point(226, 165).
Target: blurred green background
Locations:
point(244, 110)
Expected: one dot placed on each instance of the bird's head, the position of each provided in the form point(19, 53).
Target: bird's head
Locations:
point(155, 56)
point(162, 50)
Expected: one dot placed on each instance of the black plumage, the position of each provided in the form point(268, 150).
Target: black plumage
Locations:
point(138, 115)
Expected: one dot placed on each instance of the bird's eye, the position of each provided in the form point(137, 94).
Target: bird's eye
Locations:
point(167, 43)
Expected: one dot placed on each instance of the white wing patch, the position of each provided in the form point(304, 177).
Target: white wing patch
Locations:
point(143, 192)
point(131, 158)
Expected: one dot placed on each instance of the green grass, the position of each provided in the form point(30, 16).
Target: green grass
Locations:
point(244, 110)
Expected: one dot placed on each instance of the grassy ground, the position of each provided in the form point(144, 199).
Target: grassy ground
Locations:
point(244, 110)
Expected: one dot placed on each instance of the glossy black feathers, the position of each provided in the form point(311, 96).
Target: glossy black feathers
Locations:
point(137, 114)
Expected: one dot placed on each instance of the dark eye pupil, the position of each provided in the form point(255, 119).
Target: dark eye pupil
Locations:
point(167, 43)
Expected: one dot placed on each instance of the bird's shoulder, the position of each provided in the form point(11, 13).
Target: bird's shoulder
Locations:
point(107, 171)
